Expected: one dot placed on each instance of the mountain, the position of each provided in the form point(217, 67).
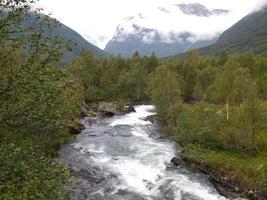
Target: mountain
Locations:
point(247, 35)
point(171, 35)
point(200, 10)
point(77, 41)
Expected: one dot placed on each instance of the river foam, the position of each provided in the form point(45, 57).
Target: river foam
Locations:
point(131, 165)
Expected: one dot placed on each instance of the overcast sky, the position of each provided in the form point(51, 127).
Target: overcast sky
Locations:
point(97, 20)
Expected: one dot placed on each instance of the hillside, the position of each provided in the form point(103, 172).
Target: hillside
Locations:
point(77, 41)
point(249, 34)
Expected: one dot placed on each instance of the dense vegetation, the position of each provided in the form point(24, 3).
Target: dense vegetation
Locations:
point(226, 89)
point(214, 107)
point(37, 102)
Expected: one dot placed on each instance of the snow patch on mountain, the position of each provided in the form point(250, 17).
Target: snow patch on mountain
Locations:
point(202, 23)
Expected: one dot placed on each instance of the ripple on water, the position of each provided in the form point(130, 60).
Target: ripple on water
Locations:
point(127, 164)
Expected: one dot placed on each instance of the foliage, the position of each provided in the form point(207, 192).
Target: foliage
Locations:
point(37, 100)
point(28, 173)
point(247, 173)
point(164, 90)
point(113, 79)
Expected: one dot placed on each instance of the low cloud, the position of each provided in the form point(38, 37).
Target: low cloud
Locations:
point(98, 19)
point(170, 25)
point(260, 5)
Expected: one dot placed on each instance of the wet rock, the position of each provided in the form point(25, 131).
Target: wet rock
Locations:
point(155, 135)
point(152, 119)
point(91, 120)
point(85, 107)
point(109, 109)
point(126, 194)
point(84, 111)
point(176, 161)
point(130, 109)
point(76, 127)
point(107, 113)
point(93, 107)
point(91, 134)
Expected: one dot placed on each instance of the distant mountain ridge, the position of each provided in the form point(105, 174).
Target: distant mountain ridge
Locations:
point(200, 10)
point(134, 42)
point(133, 35)
point(247, 35)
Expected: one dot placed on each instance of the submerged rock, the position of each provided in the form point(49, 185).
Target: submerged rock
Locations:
point(176, 161)
point(152, 119)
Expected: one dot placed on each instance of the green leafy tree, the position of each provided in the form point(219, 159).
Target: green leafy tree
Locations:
point(165, 90)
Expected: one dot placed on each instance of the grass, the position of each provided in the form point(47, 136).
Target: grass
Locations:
point(247, 172)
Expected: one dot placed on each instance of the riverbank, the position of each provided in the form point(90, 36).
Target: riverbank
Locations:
point(123, 157)
point(234, 174)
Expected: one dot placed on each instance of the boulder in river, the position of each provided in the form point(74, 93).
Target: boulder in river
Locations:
point(107, 109)
point(130, 109)
point(176, 161)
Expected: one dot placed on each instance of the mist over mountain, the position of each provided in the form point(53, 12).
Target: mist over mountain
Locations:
point(200, 10)
point(247, 35)
point(182, 27)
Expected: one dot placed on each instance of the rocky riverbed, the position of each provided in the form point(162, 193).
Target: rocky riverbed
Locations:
point(124, 158)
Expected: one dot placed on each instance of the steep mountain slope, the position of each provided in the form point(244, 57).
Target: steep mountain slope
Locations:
point(249, 34)
point(178, 30)
point(77, 41)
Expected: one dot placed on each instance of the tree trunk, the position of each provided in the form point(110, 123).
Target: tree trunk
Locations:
point(227, 108)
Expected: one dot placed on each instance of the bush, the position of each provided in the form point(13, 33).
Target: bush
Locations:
point(27, 173)
point(199, 124)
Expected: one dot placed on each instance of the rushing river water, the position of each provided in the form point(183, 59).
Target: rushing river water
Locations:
point(122, 158)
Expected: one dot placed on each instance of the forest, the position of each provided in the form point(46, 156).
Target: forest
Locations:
point(214, 107)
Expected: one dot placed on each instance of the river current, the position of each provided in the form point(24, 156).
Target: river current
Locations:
point(123, 158)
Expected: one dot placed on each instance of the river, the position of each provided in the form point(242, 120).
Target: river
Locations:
point(123, 158)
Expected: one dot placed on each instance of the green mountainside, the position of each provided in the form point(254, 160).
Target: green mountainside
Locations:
point(247, 35)
point(77, 42)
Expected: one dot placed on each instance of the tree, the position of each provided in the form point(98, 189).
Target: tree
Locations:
point(86, 70)
point(249, 118)
point(189, 74)
point(34, 91)
point(164, 90)
point(222, 89)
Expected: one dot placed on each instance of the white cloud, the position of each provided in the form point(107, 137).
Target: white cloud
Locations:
point(97, 20)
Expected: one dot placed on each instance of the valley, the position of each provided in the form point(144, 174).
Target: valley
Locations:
point(170, 109)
